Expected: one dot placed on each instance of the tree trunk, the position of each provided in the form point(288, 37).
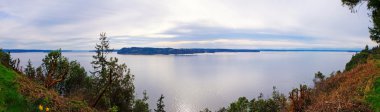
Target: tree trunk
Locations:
point(104, 90)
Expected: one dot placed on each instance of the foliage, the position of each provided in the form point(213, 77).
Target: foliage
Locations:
point(205, 110)
point(276, 103)
point(223, 109)
point(7, 61)
point(43, 104)
point(113, 109)
point(78, 106)
point(30, 71)
point(241, 105)
point(358, 58)
point(55, 68)
point(160, 104)
point(141, 105)
point(77, 79)
point(300, 98)
point(318, 77)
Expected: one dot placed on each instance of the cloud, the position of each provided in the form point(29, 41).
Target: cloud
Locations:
point(234, 43)
point(73, 24)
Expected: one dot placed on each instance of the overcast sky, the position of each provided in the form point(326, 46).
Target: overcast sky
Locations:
point(252, 24)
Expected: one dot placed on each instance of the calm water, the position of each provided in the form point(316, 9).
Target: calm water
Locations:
point(193, 82)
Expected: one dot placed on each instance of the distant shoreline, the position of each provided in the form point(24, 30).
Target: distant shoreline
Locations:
point(167, 51)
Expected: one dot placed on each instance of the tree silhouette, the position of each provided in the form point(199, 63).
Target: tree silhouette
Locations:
point(160, 104)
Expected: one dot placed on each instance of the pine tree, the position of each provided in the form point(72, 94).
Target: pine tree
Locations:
point(29, 71)
point(100, 64)
point(160, 104)
point(113, 81)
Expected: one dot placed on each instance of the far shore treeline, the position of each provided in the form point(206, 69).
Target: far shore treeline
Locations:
point(168, 51)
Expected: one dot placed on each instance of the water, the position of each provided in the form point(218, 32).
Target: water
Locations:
point(193, 82)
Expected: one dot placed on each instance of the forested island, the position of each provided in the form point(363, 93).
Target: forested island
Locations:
point(167, 51)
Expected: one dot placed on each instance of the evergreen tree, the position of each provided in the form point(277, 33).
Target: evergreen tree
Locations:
point(160, 104)
point(239, 106)
point(205, 110)
point(29, 71)
point(318, 77)
point(100, 64)
point(113, 82)
point(222, 110)
point(76, 79)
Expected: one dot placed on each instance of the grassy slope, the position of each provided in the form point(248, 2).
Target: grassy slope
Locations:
point(38, 94)
point(10, 99)
point(373, 97)
point(20, 94)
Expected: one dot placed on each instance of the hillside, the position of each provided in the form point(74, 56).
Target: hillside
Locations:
point(356, 89)
point(10, 97)
point(20, 94)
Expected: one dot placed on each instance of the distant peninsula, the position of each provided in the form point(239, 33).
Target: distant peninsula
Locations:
point(167, 51)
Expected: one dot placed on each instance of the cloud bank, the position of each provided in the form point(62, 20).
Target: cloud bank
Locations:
point(74, 24)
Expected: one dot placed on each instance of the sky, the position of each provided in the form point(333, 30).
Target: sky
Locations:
point(241, 24)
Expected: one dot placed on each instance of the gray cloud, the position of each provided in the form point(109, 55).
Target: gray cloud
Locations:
point(73, 24)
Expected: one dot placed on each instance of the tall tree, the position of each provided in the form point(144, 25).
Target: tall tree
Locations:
point(100, 64)
point(114, 83)
point(160, 104)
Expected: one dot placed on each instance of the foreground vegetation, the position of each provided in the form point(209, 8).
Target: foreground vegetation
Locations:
point(59, 84)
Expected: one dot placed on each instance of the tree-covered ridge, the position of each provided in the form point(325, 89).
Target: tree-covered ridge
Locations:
point(167, 51)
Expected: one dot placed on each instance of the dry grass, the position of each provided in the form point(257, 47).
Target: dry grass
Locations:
point(35, 92)
point(345, 91)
